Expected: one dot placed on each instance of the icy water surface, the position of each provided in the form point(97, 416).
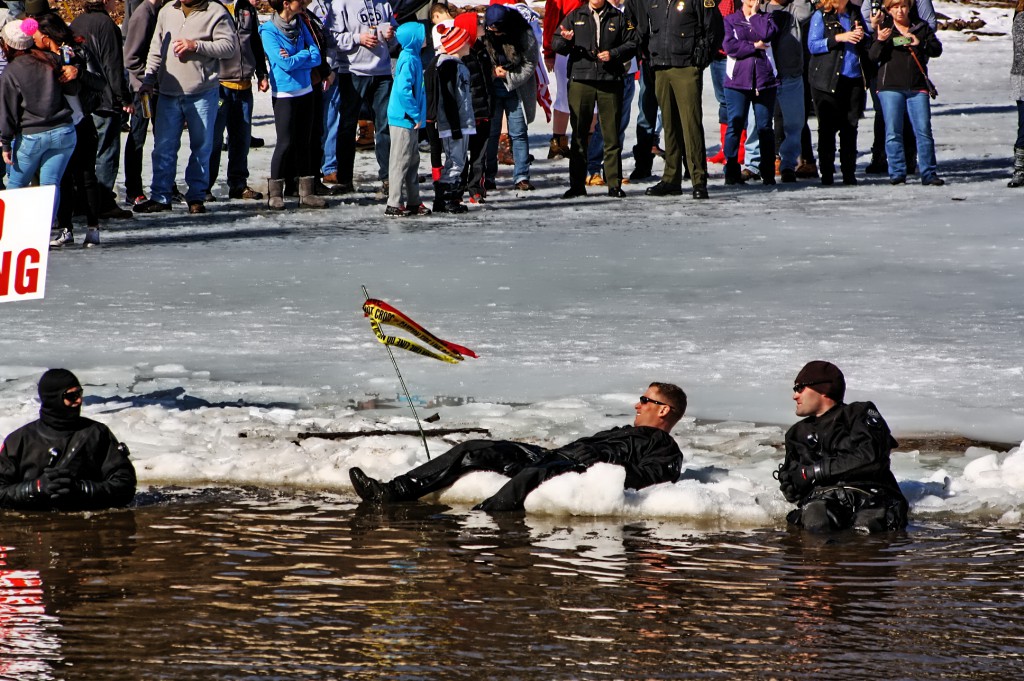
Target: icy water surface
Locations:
point(240, 584)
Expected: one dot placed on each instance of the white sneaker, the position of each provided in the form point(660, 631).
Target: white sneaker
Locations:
point(92, 238)
point(63, 238)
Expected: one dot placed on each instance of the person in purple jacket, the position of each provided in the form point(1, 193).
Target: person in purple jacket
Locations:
point(750, 78)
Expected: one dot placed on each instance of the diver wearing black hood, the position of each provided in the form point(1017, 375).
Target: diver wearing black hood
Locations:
point(64, 461)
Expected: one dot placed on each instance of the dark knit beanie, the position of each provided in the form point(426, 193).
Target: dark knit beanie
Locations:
point(825, 378)
point(36, 8)
point(53, 412)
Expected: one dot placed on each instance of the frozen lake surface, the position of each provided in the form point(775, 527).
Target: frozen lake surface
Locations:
point(190, 330)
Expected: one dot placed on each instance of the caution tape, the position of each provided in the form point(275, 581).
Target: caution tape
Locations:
point(379, 312)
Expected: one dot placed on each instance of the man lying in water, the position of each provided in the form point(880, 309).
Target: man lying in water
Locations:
point(646, 450)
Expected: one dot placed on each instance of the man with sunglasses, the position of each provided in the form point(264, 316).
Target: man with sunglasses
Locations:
point(64, 461)
point(646, 450)
point(837, 459)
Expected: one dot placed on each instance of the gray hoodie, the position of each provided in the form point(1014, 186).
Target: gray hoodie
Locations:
point(349, 18)
point(210, 25)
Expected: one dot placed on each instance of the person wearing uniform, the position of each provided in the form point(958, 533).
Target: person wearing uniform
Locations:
point(599, 41)
point(684, 35)
point(837, 459)
point(646, 450)
point(64, 461)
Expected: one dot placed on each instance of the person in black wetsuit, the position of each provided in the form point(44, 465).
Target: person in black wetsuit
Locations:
point(646, 450)
point(837, 459)
point(64, 461)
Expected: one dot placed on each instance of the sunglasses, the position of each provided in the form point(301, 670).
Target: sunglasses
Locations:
point(799, 387)
point(72, 394)
point(644, 399)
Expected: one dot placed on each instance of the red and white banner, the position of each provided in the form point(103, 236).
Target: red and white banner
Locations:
point(25, 217)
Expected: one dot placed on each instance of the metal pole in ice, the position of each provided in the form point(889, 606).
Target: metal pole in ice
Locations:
point(423, 436)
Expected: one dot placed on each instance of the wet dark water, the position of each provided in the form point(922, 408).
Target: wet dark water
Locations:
point(233, 584)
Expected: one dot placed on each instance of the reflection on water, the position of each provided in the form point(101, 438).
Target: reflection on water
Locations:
point(240, 584)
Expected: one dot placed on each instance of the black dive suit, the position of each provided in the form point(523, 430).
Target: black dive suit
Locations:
point(649, 455)
point(837, 470)
point(64, 461)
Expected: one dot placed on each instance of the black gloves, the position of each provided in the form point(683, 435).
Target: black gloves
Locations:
point(796, 482)
point(53, 483)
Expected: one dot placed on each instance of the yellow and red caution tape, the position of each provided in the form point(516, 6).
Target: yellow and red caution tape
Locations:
point(379, 312)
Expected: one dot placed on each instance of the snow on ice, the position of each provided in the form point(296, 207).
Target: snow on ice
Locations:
point(191, 330)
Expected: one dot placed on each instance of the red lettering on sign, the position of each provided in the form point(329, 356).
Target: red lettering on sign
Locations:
point(27, 278)
point(3, 210)
point(26, 275)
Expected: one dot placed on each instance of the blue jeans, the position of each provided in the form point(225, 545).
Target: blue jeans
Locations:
point(199, 112)
point(332, 110)
point(595, 152)
point(507, 103)
point(234, 115)
point(738, 103)
point(108, 154)
point(918, 107)
point(790, 98)
point(47, 152)
point(717, 69)
point(353, 92)
point(1020, 124)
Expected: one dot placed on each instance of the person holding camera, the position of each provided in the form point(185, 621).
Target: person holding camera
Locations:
point(902, 50)
point(836, 41)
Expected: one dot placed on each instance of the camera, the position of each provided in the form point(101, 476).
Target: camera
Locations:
point(901, 41)
point(884, 18)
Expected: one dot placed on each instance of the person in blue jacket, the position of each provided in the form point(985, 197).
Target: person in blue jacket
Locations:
point(407, 114)
point(292, 54)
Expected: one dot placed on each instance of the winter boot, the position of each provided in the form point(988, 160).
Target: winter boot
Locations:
point(556, 147)
point(307, 194)
point(505, 150)
point(720, 156)
point(439, 189)
point(733, 172)
point(453, 201)
point(1018, 168)
point(275, 194)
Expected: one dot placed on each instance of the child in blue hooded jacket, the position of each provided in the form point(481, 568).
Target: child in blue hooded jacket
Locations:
point(407, 113)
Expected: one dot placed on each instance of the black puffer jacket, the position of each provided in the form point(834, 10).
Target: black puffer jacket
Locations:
point(616, 36)
point(849, 444)
point(649, 455)
point(101, 473)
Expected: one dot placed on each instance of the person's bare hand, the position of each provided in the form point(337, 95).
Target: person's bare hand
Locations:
point(183, 47)
point(368, 40)
point(604, 56)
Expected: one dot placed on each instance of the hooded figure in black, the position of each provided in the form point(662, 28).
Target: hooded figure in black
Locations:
point(64, 461)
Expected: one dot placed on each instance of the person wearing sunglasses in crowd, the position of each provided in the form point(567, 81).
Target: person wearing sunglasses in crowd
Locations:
point(64, 461)
point(646, 450)
point(837, 459)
